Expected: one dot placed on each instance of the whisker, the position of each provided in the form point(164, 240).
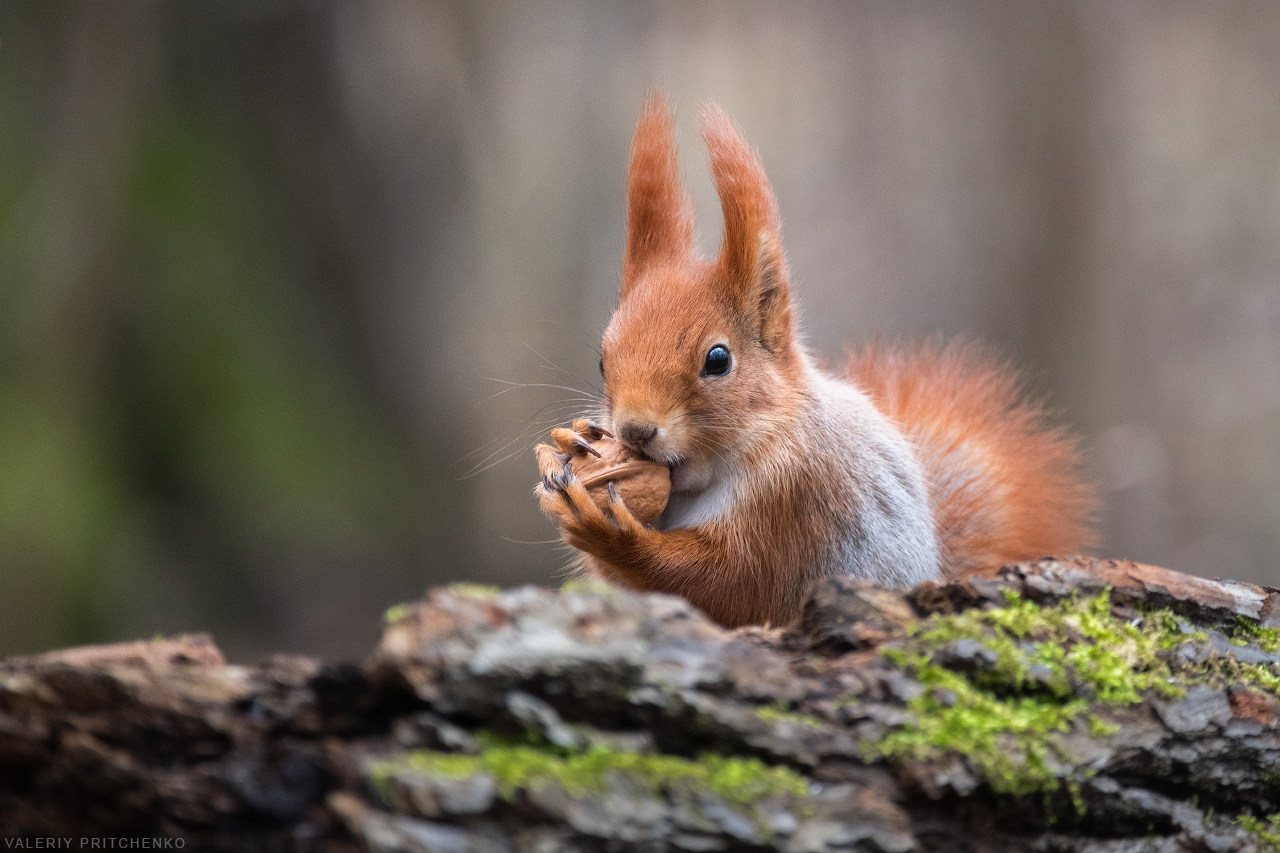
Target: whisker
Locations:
point(549, 410)
point(547, 361)
point(524, 436)
point(517, 385)
point(701, 444)
point(682, 400)
point(548, 364)
point(578, 403)
point(501, 455)
point(485, 465)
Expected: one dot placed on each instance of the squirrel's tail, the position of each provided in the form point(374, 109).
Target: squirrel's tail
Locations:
point(1004, 485)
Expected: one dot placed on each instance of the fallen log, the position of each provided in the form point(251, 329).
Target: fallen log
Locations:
point(1071, 706)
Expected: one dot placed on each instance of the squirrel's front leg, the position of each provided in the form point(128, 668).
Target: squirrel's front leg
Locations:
point(690, 562)
point(624, 549)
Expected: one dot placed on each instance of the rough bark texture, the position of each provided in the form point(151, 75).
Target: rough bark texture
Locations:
point(592, 719)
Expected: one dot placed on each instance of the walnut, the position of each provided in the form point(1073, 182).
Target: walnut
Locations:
point(598, 459)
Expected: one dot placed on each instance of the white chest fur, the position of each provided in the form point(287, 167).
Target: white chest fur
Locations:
point(865, 473)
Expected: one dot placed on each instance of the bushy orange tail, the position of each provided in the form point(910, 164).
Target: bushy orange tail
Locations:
point(1005, 485)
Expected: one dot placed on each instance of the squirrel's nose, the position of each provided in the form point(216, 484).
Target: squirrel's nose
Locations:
point(637, 433)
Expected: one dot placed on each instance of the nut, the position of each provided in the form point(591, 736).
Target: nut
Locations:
point(644, 486)
point(598, 459)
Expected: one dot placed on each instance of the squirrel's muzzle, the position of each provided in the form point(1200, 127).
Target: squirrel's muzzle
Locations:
point(638, 434)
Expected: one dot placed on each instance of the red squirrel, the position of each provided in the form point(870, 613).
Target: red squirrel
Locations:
point(912, 464)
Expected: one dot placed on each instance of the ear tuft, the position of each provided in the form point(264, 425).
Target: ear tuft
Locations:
point(659, 213)
point(746, 200)
point(752, 264)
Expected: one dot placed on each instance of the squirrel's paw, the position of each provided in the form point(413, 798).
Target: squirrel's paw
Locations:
point(583, 524)
point(577, 441)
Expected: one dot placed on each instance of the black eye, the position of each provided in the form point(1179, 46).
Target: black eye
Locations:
point(602, 367)
point(717, 363)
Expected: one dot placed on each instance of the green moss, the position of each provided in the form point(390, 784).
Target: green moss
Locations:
point(1222, 670)
point(396, 613)
point(1101, 728)
point(1046, 671)
point(474, 590)
point(740, 782)
point(1266, 830)
point(1260, 676)
point(1247, 632)
point(1006, 738)
point(779, 712)
point(1047, 666)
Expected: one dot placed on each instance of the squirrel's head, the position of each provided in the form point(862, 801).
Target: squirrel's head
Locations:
point(700, 354)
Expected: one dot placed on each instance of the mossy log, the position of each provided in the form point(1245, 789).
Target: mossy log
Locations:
point(1056, 706)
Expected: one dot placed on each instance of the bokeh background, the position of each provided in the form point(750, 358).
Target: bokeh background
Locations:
point(286, 287)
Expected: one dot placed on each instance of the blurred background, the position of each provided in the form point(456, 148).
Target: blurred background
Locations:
point(286, 287)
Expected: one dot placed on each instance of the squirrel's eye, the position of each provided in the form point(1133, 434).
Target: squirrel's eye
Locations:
point(717, 363)
point(602, 367)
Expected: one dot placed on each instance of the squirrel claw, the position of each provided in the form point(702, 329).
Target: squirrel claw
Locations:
point(590, 429)
point(566, 441)
point(554, 467)
point(575, 441)
point(626, 523)
point(598, 431)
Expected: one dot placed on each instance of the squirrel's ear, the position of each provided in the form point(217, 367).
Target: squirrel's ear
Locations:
point(659, 213)
point(752, 266)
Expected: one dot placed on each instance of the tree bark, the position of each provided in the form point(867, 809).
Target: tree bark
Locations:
point(590, 718)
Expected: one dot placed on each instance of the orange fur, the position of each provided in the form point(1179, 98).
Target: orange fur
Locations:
point(1004, 485)
point(659, 214)
point(924, 464)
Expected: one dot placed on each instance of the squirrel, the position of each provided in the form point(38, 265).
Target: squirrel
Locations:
point(913, 464)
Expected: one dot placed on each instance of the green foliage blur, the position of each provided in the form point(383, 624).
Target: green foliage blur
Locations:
point(289, 288)
point(187, 438)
